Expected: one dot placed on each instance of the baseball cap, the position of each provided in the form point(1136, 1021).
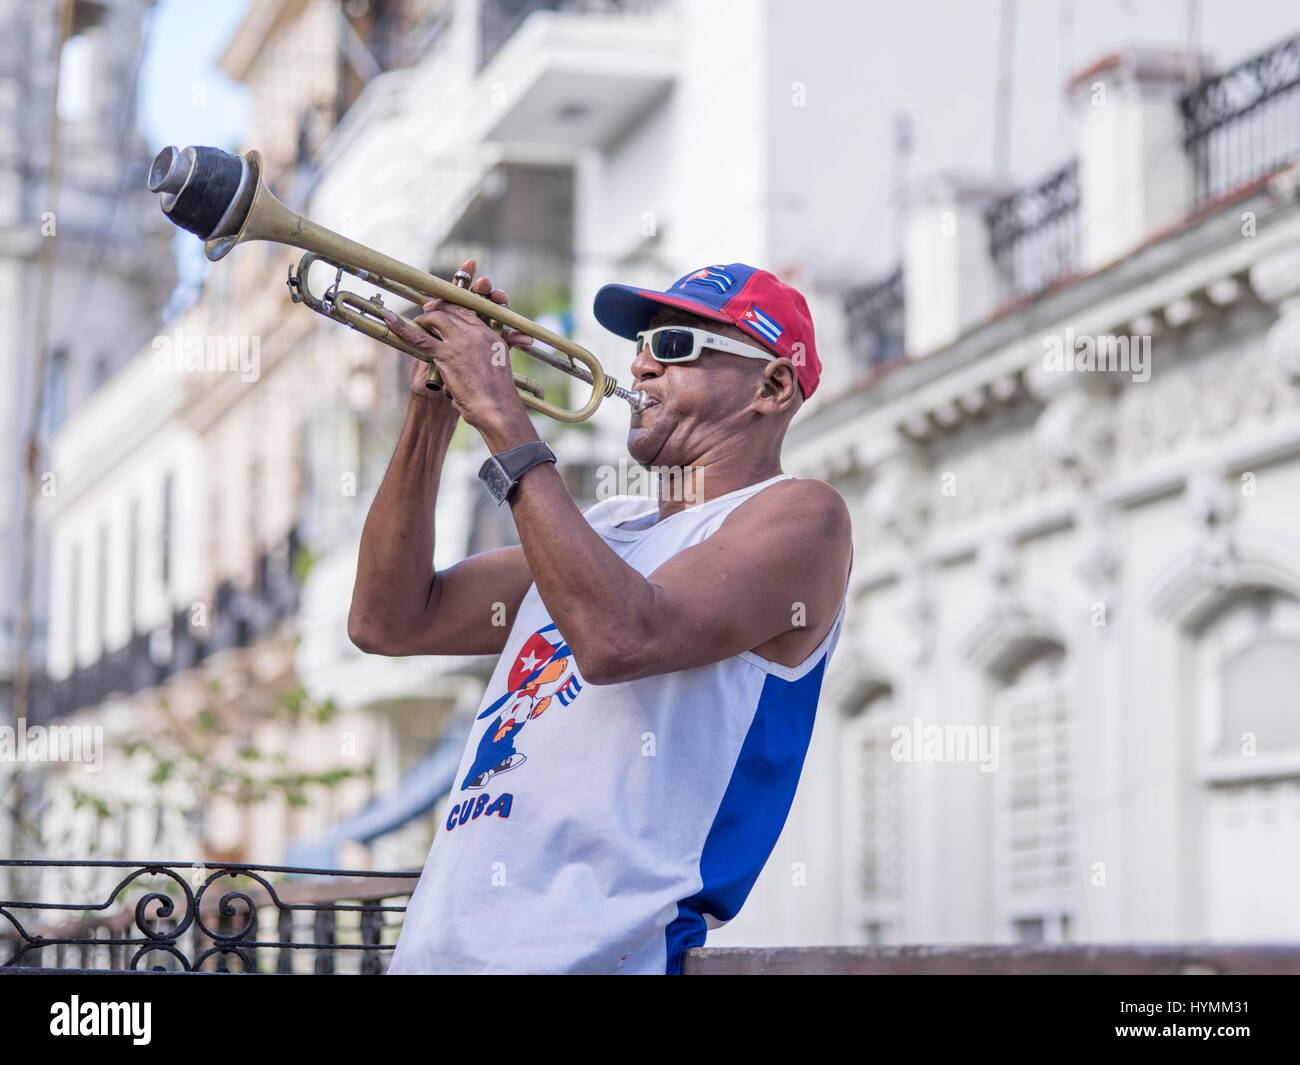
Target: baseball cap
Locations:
point(753, 300)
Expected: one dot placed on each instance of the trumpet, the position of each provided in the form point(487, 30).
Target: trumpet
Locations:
point(224, 200)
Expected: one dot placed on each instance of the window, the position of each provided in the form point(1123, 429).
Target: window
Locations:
point(133, 566)
point(165, 545)
point(1035, 829)
point(1244, 814)
point(873, 826)
point(54, 398)
point(101, 593)
point(74, 604)
point(1247, 663)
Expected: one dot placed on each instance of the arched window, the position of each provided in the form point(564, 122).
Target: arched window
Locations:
point(1246, 677)
point(873, 825)
point(1035, 829)
point(1248, 666)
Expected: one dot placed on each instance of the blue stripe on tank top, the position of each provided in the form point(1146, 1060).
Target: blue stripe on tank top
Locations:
point(753, 808)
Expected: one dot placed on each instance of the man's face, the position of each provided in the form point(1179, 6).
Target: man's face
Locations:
point(697, 404)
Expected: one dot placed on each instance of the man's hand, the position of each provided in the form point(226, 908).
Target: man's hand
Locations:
point(474, 361)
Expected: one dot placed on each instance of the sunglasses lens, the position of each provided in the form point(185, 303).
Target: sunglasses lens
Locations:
point(673, 345)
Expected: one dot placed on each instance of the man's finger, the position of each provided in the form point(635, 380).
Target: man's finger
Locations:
point(442, 320)
point(515, 338)
point(416, 335)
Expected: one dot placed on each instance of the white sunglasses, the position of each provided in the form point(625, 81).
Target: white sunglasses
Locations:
point(680, 343)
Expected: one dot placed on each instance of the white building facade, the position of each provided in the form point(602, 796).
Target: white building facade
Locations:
point(1062, 706)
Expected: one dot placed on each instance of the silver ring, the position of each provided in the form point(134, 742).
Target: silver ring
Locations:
point(462, 279)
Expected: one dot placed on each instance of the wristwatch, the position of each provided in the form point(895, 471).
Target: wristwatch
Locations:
point(500, 473)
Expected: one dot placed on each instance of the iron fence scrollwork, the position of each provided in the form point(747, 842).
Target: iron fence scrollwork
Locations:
point(203, 917)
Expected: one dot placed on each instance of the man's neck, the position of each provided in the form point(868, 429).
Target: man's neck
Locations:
point(711, 477)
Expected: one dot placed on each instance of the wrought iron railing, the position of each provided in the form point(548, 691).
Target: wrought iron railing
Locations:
point(200, 917)
point(1034, 232)
point(875, 322)
point(1244, 123)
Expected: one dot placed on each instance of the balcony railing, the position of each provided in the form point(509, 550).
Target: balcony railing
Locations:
point(875, 321)
point(201, 917)
point(1244, 123)
point(240, 616)
point(499, 19)
point(186, 918)
point(1034, 232)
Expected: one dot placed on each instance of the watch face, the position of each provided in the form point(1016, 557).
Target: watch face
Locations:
point(494, 477)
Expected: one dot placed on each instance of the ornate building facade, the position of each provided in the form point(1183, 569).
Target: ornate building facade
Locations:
point(1062, 708)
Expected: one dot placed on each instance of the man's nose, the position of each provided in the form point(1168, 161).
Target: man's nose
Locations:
point(644, 367)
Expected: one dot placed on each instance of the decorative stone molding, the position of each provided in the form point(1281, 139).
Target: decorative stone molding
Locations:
point(854, 684)
point(1077, 429)
point(962, 409)
point(1284, 340)
point(1002, 633)
point(898, 501)
point(916, 608)
point(1212, 507)
point(1199, 403)
point(1099, 561)
point(1186, 593)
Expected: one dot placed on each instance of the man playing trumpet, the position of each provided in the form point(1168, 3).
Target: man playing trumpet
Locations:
point(640, 742)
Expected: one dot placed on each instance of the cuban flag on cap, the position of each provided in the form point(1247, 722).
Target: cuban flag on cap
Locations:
point(762, 324)
point(714, 277)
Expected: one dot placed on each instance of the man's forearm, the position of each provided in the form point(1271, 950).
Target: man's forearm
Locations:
point(593, 596)
point(395, 563)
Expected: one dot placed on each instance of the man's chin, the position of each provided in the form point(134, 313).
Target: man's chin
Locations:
point(644, 445)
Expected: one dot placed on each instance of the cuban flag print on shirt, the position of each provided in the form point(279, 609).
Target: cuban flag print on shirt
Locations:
point(762, 324)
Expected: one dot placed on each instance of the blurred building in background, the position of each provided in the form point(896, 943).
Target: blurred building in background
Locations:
point(1101, 565)
point(107, 274)
point(1063, 705)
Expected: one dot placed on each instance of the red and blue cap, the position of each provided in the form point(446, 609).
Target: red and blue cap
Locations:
point(753, 300)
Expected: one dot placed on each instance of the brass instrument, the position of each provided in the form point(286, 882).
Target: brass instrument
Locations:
point(223, 199)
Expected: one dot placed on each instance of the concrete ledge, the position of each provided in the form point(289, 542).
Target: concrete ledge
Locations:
point(1171, 960)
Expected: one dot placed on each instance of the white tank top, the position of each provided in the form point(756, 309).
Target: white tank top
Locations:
point(602, 829)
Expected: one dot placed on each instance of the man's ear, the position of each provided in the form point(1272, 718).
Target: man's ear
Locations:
point(780, 384)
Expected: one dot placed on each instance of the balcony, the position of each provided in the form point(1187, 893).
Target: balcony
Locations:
point(1244, 123)
point(241, 616)
point(572, 74)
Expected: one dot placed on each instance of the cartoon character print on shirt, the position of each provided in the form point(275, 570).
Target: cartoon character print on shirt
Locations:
point(541, 678)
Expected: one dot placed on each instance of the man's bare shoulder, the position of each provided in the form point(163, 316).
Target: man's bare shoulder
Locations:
point(811, 508)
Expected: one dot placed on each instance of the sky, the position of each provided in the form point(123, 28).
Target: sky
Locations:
point(934, 60)
point(184, 99)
